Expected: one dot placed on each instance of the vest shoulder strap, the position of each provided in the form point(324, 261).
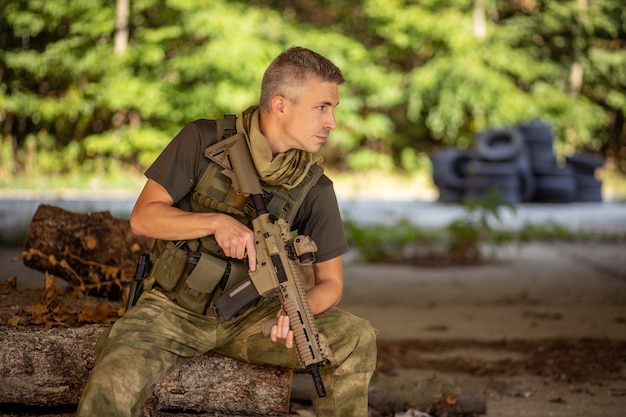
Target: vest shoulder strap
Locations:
point(213, 189)
point(226, 126)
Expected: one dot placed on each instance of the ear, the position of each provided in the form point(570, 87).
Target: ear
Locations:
point(278, 106)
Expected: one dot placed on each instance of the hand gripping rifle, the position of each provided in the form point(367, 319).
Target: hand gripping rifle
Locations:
point(276, 271)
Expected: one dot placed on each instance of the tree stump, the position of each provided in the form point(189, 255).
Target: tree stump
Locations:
point(50, 368)
point(94, 252)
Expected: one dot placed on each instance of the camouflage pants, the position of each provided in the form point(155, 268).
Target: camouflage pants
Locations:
point(157, 336)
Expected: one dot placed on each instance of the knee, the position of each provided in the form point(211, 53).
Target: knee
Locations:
point(359, 349)
point(366, 335)
point(362, 329)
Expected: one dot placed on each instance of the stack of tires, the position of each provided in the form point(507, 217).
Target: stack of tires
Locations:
point(584, 165)
point(518, 164)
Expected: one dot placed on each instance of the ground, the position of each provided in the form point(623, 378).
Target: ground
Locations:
point(537, 330)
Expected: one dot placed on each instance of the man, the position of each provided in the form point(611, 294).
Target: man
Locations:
point(186, 204)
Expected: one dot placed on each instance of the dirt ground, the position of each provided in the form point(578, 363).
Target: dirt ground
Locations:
point(538, 330)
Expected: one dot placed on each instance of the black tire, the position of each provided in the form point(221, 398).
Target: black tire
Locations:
point(449, 167)
point(549, 169)
point(502, 144)
point(539, 141)
point(554, 184)
point(585, 163)
point(588, 188)
point(536, 131)
point(450, 195)
point(499, 177)
point(528, 183)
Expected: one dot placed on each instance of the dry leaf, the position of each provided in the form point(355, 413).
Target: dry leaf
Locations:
point(9, 284)
point(14, 321)
point(99, 313)
point(37, 309)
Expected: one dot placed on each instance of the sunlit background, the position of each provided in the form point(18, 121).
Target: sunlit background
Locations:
point(91, 91)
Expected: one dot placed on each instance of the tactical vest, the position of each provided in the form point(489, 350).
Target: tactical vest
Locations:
point(195, 272)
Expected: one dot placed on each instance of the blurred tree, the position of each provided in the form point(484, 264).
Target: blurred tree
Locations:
point(92, 79)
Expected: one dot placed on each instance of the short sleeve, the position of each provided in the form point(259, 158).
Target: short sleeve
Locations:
point(181, 163)
point(319, 218)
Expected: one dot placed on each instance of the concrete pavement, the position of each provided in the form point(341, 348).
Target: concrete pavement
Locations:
point(533, 291)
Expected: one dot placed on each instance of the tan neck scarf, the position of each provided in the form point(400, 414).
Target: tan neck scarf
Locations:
point(286, 169)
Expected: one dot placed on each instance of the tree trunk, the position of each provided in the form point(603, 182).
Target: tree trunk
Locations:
point(121, 26)
point(94, 252)
point(576, 70)
point(50, 368)
point(480, 21)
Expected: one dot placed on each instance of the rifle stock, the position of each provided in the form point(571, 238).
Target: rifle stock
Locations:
point(277, 270)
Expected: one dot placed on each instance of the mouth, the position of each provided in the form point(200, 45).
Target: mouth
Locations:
point(323, 137)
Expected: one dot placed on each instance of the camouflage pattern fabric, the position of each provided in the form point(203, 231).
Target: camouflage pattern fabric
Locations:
point(157, 336)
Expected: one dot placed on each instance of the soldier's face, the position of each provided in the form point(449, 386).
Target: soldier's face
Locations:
point(309, 120)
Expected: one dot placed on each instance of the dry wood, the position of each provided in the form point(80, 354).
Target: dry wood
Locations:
point(50, 367)
point(93, 252)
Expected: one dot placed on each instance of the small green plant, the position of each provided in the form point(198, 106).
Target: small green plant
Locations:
point(468, 234)
point(460, 242)
point(398, 243)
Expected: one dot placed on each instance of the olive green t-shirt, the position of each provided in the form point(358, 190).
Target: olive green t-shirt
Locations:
point(180, 165)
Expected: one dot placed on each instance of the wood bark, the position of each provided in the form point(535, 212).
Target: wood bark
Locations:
point(94, 252)
point(50, 368)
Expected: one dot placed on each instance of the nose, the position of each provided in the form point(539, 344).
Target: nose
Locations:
point(330, 123)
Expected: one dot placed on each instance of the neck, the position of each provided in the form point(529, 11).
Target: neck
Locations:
point(272, 132)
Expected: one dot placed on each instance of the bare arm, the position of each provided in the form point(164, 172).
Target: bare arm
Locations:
point(328, 288)
point(155, 216)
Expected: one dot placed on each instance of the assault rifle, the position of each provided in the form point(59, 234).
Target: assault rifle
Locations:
point(276, 271)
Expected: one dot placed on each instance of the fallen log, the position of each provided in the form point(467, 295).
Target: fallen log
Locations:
point(94, 252)
point(50, 368)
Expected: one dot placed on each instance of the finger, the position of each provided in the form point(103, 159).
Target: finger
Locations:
point(290, 339)
point(273, 333)
point(283, 323)
point(279, 328)
point(240, 252)
point(251, 251)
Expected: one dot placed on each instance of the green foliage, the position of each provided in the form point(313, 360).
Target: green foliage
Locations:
point(462, 241)
point(476, 227)
point(403, 241)
point(418, 75)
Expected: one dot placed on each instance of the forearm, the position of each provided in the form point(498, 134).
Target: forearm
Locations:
point(162, 221)
point(328, 287)
point(324, 296)
point(155, 216)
